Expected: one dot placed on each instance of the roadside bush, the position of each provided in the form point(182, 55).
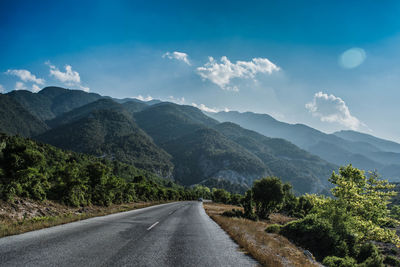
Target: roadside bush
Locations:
point(369, 256)
point(233, 213)
point(366, 251)
point(236, 199)
point(319, 236)
point(391, 260)
point(221, 196)
point(268, 195)
point(333, 261)
point(273, 228)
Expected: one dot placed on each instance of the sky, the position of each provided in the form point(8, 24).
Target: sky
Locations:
point(333, 65)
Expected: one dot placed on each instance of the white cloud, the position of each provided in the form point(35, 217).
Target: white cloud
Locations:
point(2, 90)
point(329, 108)
point(84, 88)
point(26, 76)
point(222, 73)
point(35, 88)
point(19, 86)
point(177, 100)
point(142, 98)
point(69, 77)
point(178, 56)
point(208, 109)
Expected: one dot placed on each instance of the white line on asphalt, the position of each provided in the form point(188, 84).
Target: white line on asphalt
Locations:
point(154, 224)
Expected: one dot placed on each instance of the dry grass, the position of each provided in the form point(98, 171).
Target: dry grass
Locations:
point(27, 215)
point(268, 249)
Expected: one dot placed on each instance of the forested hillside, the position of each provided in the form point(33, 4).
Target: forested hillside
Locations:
point(50, 102)
point(347, 147)
point(110, 134)
point(40, 171)
point(14, 119)
point(175, 141)
point(303, 170)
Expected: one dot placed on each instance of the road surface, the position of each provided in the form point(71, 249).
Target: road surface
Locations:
point(173, 234)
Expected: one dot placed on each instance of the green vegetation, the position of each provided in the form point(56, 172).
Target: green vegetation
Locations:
point(341, 229)
point(220, 155)
point(32, 170)
point(284, 160)
point(225, 184)
point(14, 119)
point(111, 134)
point(52, 101)
point(206, 153)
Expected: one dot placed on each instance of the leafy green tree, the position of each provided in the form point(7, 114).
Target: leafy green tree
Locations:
point(248, 205)
point(343, 226)
point(366, 199)
point(236, 199)
point(221, 196)
point(268, 195)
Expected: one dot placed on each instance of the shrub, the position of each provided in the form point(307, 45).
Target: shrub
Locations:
point(317, 235)
point(233, 213)
point(273, 228)
point(366, 250)
point(248, 205)
point(333, 261)
point(268, 195)
point(391, 260)
point(221, 196)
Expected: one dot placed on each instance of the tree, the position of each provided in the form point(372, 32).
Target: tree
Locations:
point(268, 195)
point(221, 196)
point(366, 199)
point(248, 205)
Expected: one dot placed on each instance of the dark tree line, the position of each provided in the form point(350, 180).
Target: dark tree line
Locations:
point(39, 171)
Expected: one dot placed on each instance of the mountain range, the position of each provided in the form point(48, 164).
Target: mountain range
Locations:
point(181, 142)
point(341, 148)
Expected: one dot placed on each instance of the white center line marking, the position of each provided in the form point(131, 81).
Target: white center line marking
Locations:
point(154, 224)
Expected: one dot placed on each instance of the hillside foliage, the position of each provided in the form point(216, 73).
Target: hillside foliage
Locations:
point(39, 171)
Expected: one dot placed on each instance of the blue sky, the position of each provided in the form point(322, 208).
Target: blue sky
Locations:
point(330, 64)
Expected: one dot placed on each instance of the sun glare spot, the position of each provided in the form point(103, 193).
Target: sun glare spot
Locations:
point(352, 58)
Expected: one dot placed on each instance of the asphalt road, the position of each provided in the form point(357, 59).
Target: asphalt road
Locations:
point(174, 234)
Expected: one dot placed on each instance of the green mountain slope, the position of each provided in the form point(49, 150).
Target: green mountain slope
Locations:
point(306, 172)
point(110, 134)
point(382, 144)
point(52, 101)
point(34, 170)
point(15, 119)
point(361, 152)
point(205, 154)
point(81, 112)
point(167, 121)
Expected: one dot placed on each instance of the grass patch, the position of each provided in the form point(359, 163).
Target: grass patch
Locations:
point(269, 249)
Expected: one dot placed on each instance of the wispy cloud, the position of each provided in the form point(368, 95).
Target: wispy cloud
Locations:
point(35, 88)
point(69, 77)
point(329, 108)
point(2, 90)
point(178, 56)
point(222, 73)
point(177, 100)
point(142, 98)
point(208, 109)
point(19, 86)
point(26, 76)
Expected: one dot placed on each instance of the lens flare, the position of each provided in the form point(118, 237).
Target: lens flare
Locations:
point(352, 58)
